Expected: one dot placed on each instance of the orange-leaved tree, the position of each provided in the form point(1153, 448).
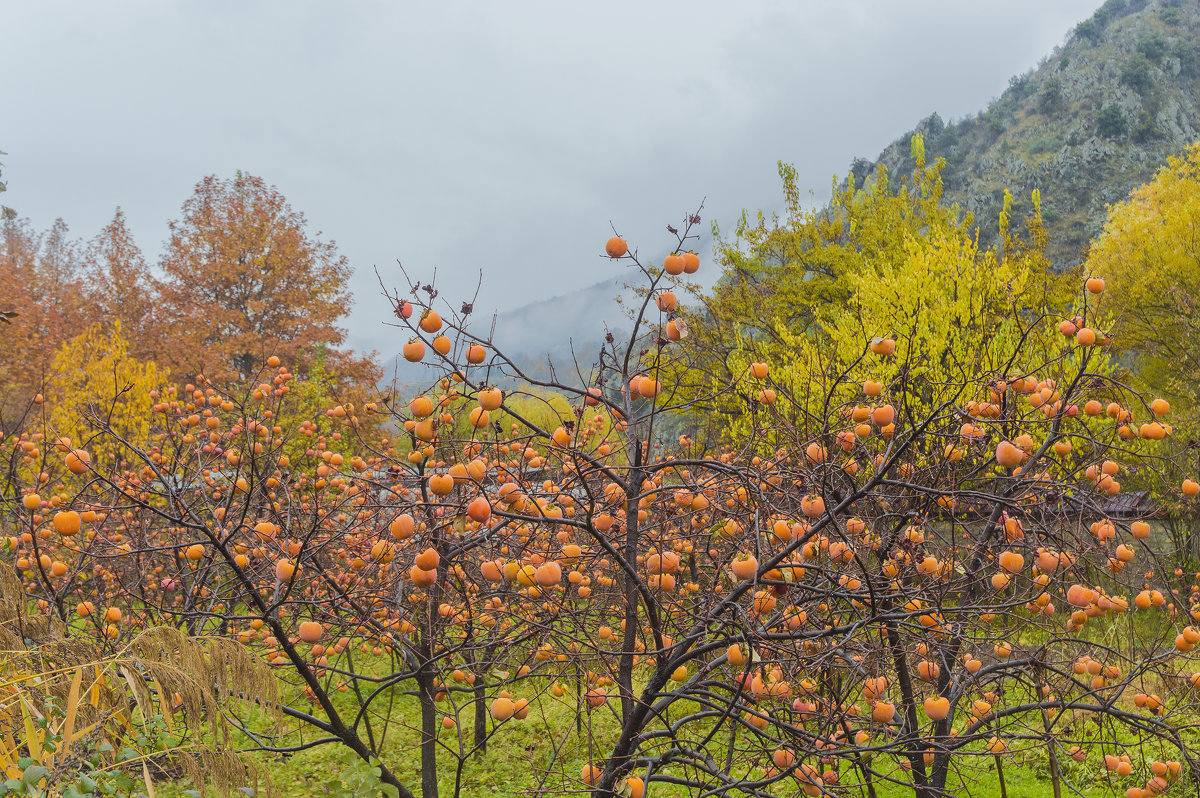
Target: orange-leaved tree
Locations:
point(41, 285)
point(244, 280)
point(119, 286)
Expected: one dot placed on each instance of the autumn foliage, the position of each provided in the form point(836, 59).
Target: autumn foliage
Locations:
point(884, 579)
point(242, 278)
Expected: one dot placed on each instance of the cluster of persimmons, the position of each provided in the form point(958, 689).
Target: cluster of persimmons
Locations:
point(905, 586)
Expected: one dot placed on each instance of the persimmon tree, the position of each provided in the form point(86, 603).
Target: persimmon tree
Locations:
point(908, 577)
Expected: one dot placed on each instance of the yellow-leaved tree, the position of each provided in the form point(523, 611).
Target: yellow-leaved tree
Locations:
point(951, 306)
point(95, 384)
point(802, 295)
point(1149, 253)
point(1149, 256)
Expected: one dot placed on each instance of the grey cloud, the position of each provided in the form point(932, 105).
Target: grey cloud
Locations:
point(500, 137)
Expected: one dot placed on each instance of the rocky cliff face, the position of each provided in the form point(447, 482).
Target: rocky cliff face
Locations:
point(1094, 120)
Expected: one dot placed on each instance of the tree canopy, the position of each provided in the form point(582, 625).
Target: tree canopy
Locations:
point(244, 279)
point(1150, 248)
point(805, 290)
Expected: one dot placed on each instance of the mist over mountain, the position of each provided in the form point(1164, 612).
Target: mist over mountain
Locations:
point(563, 330)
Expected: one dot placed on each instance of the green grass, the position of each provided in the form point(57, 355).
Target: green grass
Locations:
point(506, 770)
point(545, 748)
point(523, 751)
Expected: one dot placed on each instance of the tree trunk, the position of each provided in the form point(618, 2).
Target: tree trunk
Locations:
point(629, 639)
point(429, 780)
point(481, 716)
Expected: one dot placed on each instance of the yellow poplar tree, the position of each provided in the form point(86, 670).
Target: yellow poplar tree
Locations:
point(804, 295)
point(95, 384)
point(1149, 254)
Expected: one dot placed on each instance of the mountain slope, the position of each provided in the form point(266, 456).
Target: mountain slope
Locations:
point(561, 329)
point(1093, 121)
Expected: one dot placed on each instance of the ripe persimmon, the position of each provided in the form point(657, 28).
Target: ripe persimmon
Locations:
point(616, 247)
point(502, 709)
point(421, 407)
point(744, 566)
point(673, 264)
point(937, 707)
point(548, 574)
point(883, 712)
point(491, 398)
point(67, 523)
point(1009, 455)
point(422, 577)
point(431, 321)
point(414, 350)
point(77, 461)
point(479, 510)
point(428, 559)
point(883, 346)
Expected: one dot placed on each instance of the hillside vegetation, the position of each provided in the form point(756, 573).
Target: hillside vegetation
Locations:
point(1094, 120)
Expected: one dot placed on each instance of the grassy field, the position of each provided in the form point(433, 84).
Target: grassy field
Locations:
point(545, 752)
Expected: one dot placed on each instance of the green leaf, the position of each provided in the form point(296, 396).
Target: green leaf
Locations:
point(33, 774)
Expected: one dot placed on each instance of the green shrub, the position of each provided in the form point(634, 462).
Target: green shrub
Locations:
point(1137, 73)
point(1050, 97)
point(1153, 47)
point(1111, 122)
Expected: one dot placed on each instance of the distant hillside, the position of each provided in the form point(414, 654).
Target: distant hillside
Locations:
point(550, 329)
point(1095, 119)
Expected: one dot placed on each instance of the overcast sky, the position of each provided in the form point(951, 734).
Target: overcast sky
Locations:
point(498, 136)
